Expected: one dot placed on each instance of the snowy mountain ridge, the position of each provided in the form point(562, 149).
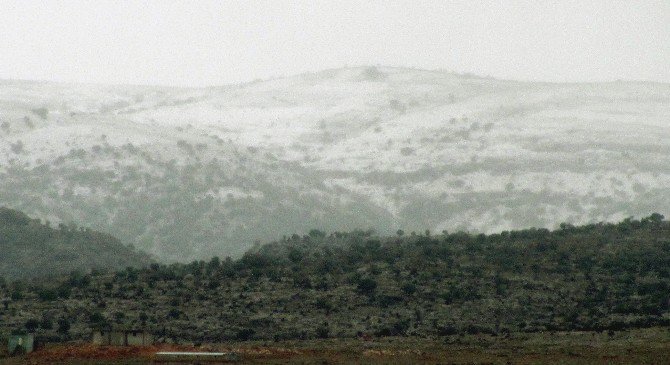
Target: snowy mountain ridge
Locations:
point(191, 172)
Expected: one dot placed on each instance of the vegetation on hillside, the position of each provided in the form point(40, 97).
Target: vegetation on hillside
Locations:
point(601, 277)
point(29, 248)
point(186, 209)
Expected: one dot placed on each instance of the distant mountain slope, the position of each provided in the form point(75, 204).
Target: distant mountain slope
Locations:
point(29, 248)
point(186, 173)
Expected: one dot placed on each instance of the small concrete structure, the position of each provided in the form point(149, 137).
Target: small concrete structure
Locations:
point(20, 344)
point(122, 337)
point(195, 357)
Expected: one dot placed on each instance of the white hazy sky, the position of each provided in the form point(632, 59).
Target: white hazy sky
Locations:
point(196, 43)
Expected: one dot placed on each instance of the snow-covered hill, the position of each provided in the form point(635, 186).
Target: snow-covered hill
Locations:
point(188, 173)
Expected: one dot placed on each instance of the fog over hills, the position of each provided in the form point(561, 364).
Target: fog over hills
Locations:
point(188, 173)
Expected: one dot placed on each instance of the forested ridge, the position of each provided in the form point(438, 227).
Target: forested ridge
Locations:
point(602, 277)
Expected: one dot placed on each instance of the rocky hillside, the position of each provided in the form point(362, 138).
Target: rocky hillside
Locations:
point(588, 278)
point(29, 248)
point(188, 173)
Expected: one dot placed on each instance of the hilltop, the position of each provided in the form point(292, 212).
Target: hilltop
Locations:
point(30, 248)
point(188, 173)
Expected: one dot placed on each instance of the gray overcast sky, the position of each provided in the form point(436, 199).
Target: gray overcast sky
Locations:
point(199, 43)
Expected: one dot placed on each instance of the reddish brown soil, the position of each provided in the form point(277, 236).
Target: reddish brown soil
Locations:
point(67, 352)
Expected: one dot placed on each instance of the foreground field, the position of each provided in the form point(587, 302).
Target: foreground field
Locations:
point(649, 346)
